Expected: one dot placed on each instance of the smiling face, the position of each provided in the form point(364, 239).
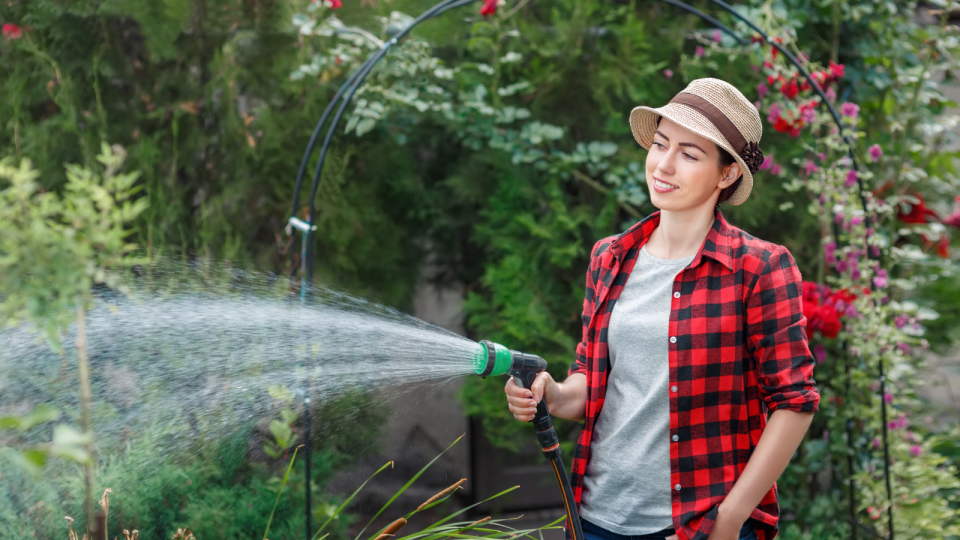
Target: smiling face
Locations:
point(684, 170)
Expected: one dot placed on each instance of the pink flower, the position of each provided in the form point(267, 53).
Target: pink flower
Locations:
point(876, 443)
point(775, 170)
point(810, 167)
point(831, 94)
point(767, 163)
point(774, 113)
point(821, 156)
point(875, 152)
point(716, 36)
point(333, 4)
point(762, 90)
point(851, 179)
point(916, 450)
point(820, 353)
point(12, 31)
point(904, 348)
point(888, 397)
point(856, 220)
point(880, 279)
point(901, 320)
point(668, 73)
point(829, 251)
point(849, 109)
point(700, 51)
point(808, 115)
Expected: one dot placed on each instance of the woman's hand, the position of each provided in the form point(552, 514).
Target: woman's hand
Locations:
point(523, 402)
point(728, 524)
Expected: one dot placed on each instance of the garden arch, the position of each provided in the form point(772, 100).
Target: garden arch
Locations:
point(349, 88)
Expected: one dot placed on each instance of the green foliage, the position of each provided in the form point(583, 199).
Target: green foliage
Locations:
point(499, 151)
point(54, 248)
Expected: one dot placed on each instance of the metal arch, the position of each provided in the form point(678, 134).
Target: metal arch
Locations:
point(349, 88)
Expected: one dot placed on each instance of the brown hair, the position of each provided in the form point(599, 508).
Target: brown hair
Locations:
point(725, 161)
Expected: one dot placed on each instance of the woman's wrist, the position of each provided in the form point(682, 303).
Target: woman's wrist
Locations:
point(732, 516)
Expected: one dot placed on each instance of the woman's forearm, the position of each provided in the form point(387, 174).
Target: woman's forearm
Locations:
point(569, 400)
point(780, 439)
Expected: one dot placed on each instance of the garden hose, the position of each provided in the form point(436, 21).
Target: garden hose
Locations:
point(495, 359)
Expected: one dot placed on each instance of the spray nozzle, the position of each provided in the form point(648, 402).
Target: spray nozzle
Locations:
point(495, 359)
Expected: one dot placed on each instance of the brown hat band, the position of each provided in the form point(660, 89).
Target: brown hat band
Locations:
point(749, 152)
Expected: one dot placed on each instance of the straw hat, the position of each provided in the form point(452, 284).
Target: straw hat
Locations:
point(713, 109)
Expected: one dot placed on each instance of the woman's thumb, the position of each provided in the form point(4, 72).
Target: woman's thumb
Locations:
point(538, 386)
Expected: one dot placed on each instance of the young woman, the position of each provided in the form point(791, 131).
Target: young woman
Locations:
point(693, 332)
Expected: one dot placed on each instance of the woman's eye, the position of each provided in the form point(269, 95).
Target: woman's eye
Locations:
point(688, 156)
point(659, 145)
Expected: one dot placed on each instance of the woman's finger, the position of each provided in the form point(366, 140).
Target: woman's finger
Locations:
point(511, 389)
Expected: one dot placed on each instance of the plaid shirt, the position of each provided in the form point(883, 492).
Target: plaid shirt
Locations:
point(738, 349)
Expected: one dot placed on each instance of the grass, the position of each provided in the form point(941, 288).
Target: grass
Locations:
point(444, 529)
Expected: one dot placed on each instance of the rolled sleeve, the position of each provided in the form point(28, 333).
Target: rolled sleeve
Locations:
point(776, 331)
point(580, 365)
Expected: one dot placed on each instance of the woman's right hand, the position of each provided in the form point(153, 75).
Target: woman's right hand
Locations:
point(523, 402)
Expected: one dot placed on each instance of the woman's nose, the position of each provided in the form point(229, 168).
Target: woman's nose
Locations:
point(666, 164)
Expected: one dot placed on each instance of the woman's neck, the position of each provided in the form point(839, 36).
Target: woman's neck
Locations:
point(680, 233)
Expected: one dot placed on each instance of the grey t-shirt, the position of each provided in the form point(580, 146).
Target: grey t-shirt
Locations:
point(627, 481)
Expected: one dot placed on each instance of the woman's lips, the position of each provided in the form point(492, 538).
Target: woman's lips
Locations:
point(662, 187)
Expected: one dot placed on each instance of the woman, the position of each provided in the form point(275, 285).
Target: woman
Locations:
point(693, 331)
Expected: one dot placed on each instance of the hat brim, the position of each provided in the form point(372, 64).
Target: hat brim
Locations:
point(643, 123)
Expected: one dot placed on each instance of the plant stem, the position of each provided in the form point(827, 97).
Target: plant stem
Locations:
point(83, 373)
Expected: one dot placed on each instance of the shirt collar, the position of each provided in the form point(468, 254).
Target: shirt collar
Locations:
point(718, 245)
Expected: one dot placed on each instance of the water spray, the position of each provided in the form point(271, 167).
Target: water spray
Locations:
point(495, 359)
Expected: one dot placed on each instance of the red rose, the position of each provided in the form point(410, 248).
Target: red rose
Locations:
point(805, 85)
point(771, 79)
point(943, 247)
point(782, 125)
point(12, 31)
point(790, 89)
point(918, 213)
point(836, 70)
point(810, 300)
point(843, 295)
point(489, 7)
point(829, 321)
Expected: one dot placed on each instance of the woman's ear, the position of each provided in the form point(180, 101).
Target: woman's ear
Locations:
point(730, 175)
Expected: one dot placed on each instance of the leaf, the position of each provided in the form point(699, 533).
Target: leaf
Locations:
point(281, 432)
point(365, 126)
point(280, 492)
point(404, 488)
point(41, 414)
point(64, 435)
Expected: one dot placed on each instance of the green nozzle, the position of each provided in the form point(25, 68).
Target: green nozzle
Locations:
point(491, 359)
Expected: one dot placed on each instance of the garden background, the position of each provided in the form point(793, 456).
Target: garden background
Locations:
point(483, 158)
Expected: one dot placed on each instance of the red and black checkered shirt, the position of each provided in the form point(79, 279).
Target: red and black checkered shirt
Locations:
point(738, 349)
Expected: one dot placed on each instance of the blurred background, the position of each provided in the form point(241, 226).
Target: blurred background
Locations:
point(465, 186)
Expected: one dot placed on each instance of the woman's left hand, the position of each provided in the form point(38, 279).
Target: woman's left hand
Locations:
point(726, 527)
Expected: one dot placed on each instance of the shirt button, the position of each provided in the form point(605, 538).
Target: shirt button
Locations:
point(676, 295)
point(673, 339)
point(676, 438)
point(677, 487)
point(673, 388)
